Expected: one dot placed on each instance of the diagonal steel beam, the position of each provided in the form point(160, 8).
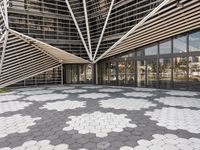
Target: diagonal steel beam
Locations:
point(87, 26)
point(134, 28)
point(79, 31)
point(104, 28)
point(6, 13)
point(3, 51)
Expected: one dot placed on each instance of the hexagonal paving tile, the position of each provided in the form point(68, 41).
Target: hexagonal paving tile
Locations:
point(10, 97)
point(16, 124)
point(94, 95)
point(63, 105)
point(75, 91)
point(39, 145)
point(36, 92)
point(46, 97)
point(138, 94)
point(166, 142)
point(182, 93)
point(144, 89)
point(126, 103)
point(111, 90)
point(13, 106)
point(61, 87)
point(30, 89)
point(99, 123)
point(175, 118)
point(179, 101)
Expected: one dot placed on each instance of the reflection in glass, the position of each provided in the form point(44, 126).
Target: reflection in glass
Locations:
point(89, 73)
point(121, 73)
point(165, 47)
point(81, 73)
point(141, 73)
point(194, 42)
point(194, 72)
point(180, 72)
point(180, 44)
point(105, 73)
point(152, 73)
point(113, 73)
point(165, 73)
point(74, 74)
point(130, 73)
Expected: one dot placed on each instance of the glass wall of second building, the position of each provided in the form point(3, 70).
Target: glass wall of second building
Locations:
point(170, 63)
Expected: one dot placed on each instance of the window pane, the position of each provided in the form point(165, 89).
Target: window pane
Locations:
point(165, 73)
point(141, 74)
point(151, 50)
point(194, 42)
point(130, 73)
point(165, 47)
point(152, 73)
point(121, 73)
point(194, 72)
point(180, 44)
point(113, 73)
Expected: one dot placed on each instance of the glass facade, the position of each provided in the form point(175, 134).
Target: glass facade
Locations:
point(170, 63)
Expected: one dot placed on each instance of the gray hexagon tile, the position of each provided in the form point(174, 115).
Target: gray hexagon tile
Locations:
point(179, 101)
point(99, 123)
point(138, 94)
point(94, 95)
point(126, 103)
point(13, 106)
point(166, 142)
point(10, 97)
point(29, 89)
point(63, 105)
point(175, 118)
point(46, 97)
point(181, 93)
point(144, 89)
point(112, 90)
point(16, 124)
point(61, 88)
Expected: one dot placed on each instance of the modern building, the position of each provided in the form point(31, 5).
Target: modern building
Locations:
point(143, 43)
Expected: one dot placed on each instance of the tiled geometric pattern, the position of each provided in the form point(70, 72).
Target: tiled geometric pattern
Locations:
point(102, 117)
point(9, 97)
point(63, 105)
point(39, 145)
point(112, 90)
point(166, 142)
point(182, 93)
point(94, 95)
point(99, 123)
point(175, 118)
point(138, 94)
point(46, 97)
point(126, 103)
point(180, 101)
point(13, 106)
point(16, 124)
point(36, 92)
point(75, 91)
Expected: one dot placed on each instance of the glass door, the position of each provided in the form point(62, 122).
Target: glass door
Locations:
point(121, 73)
point(130, 73)
point(113, 73)
point(141, 73)
point(152, 73)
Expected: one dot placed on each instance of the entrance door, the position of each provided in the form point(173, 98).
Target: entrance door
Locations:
point(141, 73)
point(130, 73)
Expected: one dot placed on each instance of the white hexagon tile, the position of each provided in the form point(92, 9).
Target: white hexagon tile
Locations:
point(99, 123)
point(92, 87)
point(63, 105)
point(36, 92)
point(175, 118)
point(46, 97)
point(126, 103)
point(166, 142)
point(144, 89)
point(111, 90)
point(16, 124)
point(61, 88)
point(13, 106)
point(138, 94)
point(29, 89)
point(94, 95)
point(75, 91)
point(38, 145)
point(179, 101)
point(181, 93)
point(10, 97)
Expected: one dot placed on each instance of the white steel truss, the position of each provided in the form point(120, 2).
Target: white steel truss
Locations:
point(104, 28)
point(134, 28)
point(79, 31)
point(87, 26)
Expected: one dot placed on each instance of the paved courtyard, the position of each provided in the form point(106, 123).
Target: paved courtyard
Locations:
point(99, 117)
